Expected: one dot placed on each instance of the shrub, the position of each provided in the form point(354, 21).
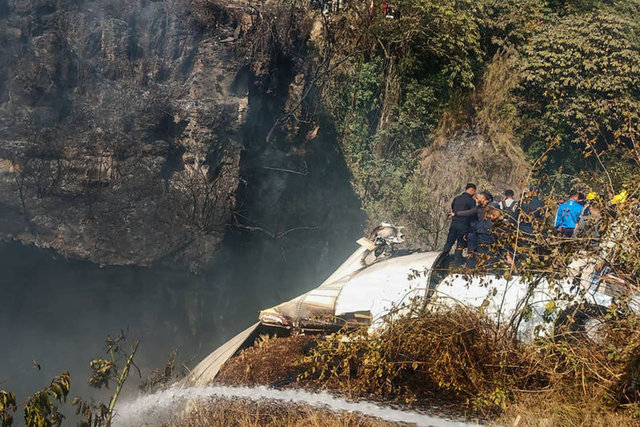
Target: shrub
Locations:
point(455, 355)
point(462, 357)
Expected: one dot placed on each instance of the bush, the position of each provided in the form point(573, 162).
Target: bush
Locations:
point(462, 357)
point(458, 356)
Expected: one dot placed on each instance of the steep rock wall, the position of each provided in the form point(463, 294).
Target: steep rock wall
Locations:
point(119, 129)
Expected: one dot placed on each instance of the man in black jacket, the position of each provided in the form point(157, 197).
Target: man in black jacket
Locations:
point(460, 225)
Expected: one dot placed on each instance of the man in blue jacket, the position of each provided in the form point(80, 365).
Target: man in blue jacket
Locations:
point(568, 215)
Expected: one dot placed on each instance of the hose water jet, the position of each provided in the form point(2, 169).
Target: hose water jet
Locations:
point(161, 407)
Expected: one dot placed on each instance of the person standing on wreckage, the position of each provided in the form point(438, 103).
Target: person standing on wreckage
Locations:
point(588, 233)
point(460, 225)
point(480, 233)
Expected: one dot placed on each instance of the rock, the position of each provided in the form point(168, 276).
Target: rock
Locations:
point(130, 124)
point(477, 160)
point(110, 114)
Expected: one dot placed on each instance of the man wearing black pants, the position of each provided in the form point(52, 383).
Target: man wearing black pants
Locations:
point(460, 225)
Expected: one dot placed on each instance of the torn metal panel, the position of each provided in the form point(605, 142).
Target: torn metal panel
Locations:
point(386, 285)
point(206, 371)
point(356, 288)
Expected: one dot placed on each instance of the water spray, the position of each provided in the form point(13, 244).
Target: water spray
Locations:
point(159, 408)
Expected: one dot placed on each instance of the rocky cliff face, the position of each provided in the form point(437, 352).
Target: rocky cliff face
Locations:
point(119, 129)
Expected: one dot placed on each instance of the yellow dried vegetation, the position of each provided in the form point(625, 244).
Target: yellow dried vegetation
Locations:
point(463, 359)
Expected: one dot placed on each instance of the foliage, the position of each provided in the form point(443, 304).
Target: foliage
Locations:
point(94, 414)
point(102, 372)
point(40, 410)
point(457, 356)
point(114, 370)
point(408, 201)
point(461, 356)
point(497, 110)
point(160, 378)
point(529, 75)
point(580, 83)
point(508, 23)
point(573, 6)
point(433, 35)
point(7, 407)
point(269, 361)
point(388, 82)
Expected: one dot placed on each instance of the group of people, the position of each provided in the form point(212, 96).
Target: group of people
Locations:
point(472, 221)
point(328, 6)
point(389, 11)
point(474, 216)
point(592, 230)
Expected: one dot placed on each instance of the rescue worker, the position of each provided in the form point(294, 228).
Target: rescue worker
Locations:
point(484, 201)
point(586, 264)
point(568, 215)
point(582, 199)
point(476, 217)
point(460, 225)
point(531, 211)
point(534, 206)
point(589, 227)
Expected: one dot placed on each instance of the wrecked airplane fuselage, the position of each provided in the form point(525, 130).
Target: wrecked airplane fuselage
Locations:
point(375, 280)
point(356, 294)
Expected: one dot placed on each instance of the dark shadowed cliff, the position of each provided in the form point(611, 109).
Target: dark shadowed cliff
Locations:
point(122, 125)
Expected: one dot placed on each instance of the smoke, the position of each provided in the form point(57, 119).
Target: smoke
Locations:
point(160, 408)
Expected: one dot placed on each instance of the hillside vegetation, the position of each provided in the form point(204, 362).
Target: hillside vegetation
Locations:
point(462, 362)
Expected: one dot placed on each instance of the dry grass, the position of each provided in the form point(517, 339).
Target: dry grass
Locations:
point(456, 357)
point(478, 130)
point(550, 410)
point(243, 413)
point(496, 112)
point(268, 361)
